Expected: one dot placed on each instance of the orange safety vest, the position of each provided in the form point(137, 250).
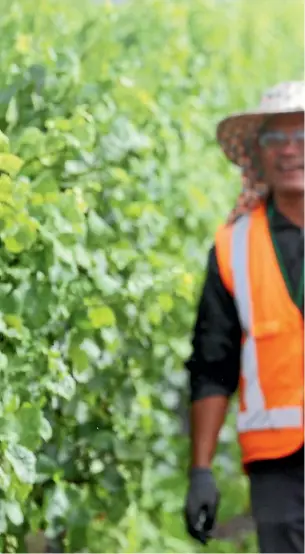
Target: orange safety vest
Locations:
point(270, 421)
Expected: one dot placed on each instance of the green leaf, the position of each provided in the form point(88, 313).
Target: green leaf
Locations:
point(57, 503)
point(3, 361)
point(3, 521)
point(45, 429)
point(97, 225)
point(12, 114)
point(8, 431)
point(79, 358)
point(14, 321)
point(154, 314)
point(29, 424)
point(4, 143)
point(65, 387)
point(13, 245)
point(166, 302)
point(23, 462)
point(79, 525)
point(45, 184)
point(101, 316)
point(107, 285)
point(4, 480)
point(14, 513)
point(46, 467)
point(91, 349)
point(10, 163)
point(181, 347)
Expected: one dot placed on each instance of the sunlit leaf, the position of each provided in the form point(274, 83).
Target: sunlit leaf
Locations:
point(101, 316)
point(23, 462)
point(10, 164)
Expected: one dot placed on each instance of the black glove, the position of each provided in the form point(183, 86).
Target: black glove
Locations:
point(201, 504)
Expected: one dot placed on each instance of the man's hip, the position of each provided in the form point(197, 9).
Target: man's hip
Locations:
point(277, 498)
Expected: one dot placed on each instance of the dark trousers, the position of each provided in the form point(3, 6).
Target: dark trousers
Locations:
point(277, 499)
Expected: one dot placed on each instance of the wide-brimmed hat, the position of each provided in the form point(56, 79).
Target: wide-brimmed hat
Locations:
point(239, 131)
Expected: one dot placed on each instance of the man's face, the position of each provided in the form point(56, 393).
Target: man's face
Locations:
point(281, 152)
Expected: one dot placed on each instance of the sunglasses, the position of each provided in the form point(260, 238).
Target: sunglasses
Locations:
point(275, 139)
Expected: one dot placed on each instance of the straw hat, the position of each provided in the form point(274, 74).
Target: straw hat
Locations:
point(239, 131)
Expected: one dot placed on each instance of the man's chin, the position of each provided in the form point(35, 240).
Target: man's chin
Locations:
point(292, 181)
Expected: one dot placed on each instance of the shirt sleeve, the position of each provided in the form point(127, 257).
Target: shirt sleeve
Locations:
point(214, 365)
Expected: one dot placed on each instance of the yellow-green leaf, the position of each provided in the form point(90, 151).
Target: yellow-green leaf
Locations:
point(12, 245)
point(23, 43)
point(166, 302)
point(154, 315)
point(4, 142)
point(197, 195)
point(13, 321)
point(101, 317)
point(10, 163)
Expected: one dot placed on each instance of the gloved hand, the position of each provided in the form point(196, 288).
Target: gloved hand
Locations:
point(201, 504)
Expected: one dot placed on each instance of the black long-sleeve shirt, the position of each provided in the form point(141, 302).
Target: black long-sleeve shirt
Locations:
point(214, 365)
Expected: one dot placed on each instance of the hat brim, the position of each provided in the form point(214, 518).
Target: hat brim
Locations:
point(240, 130)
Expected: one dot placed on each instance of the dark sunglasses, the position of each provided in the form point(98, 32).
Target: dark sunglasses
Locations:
point(273, 139)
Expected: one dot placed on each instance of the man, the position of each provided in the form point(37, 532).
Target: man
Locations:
point(249, 330)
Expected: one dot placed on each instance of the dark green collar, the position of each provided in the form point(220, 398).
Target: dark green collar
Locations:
point(296, 296)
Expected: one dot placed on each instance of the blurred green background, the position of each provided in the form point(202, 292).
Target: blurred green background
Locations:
point(111, 189)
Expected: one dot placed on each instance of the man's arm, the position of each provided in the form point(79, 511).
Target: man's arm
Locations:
point(214, 365)
point(207, 417)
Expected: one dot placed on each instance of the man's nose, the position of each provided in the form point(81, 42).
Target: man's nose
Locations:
point(289, 147)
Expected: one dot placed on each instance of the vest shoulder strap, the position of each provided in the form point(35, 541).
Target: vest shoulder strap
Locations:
point(232, 250)
point(223, 246)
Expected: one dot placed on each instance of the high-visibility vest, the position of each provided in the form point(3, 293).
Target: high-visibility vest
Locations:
point(270, 421)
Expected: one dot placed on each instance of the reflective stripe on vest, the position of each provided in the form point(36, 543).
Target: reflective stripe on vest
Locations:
point(256, 417)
